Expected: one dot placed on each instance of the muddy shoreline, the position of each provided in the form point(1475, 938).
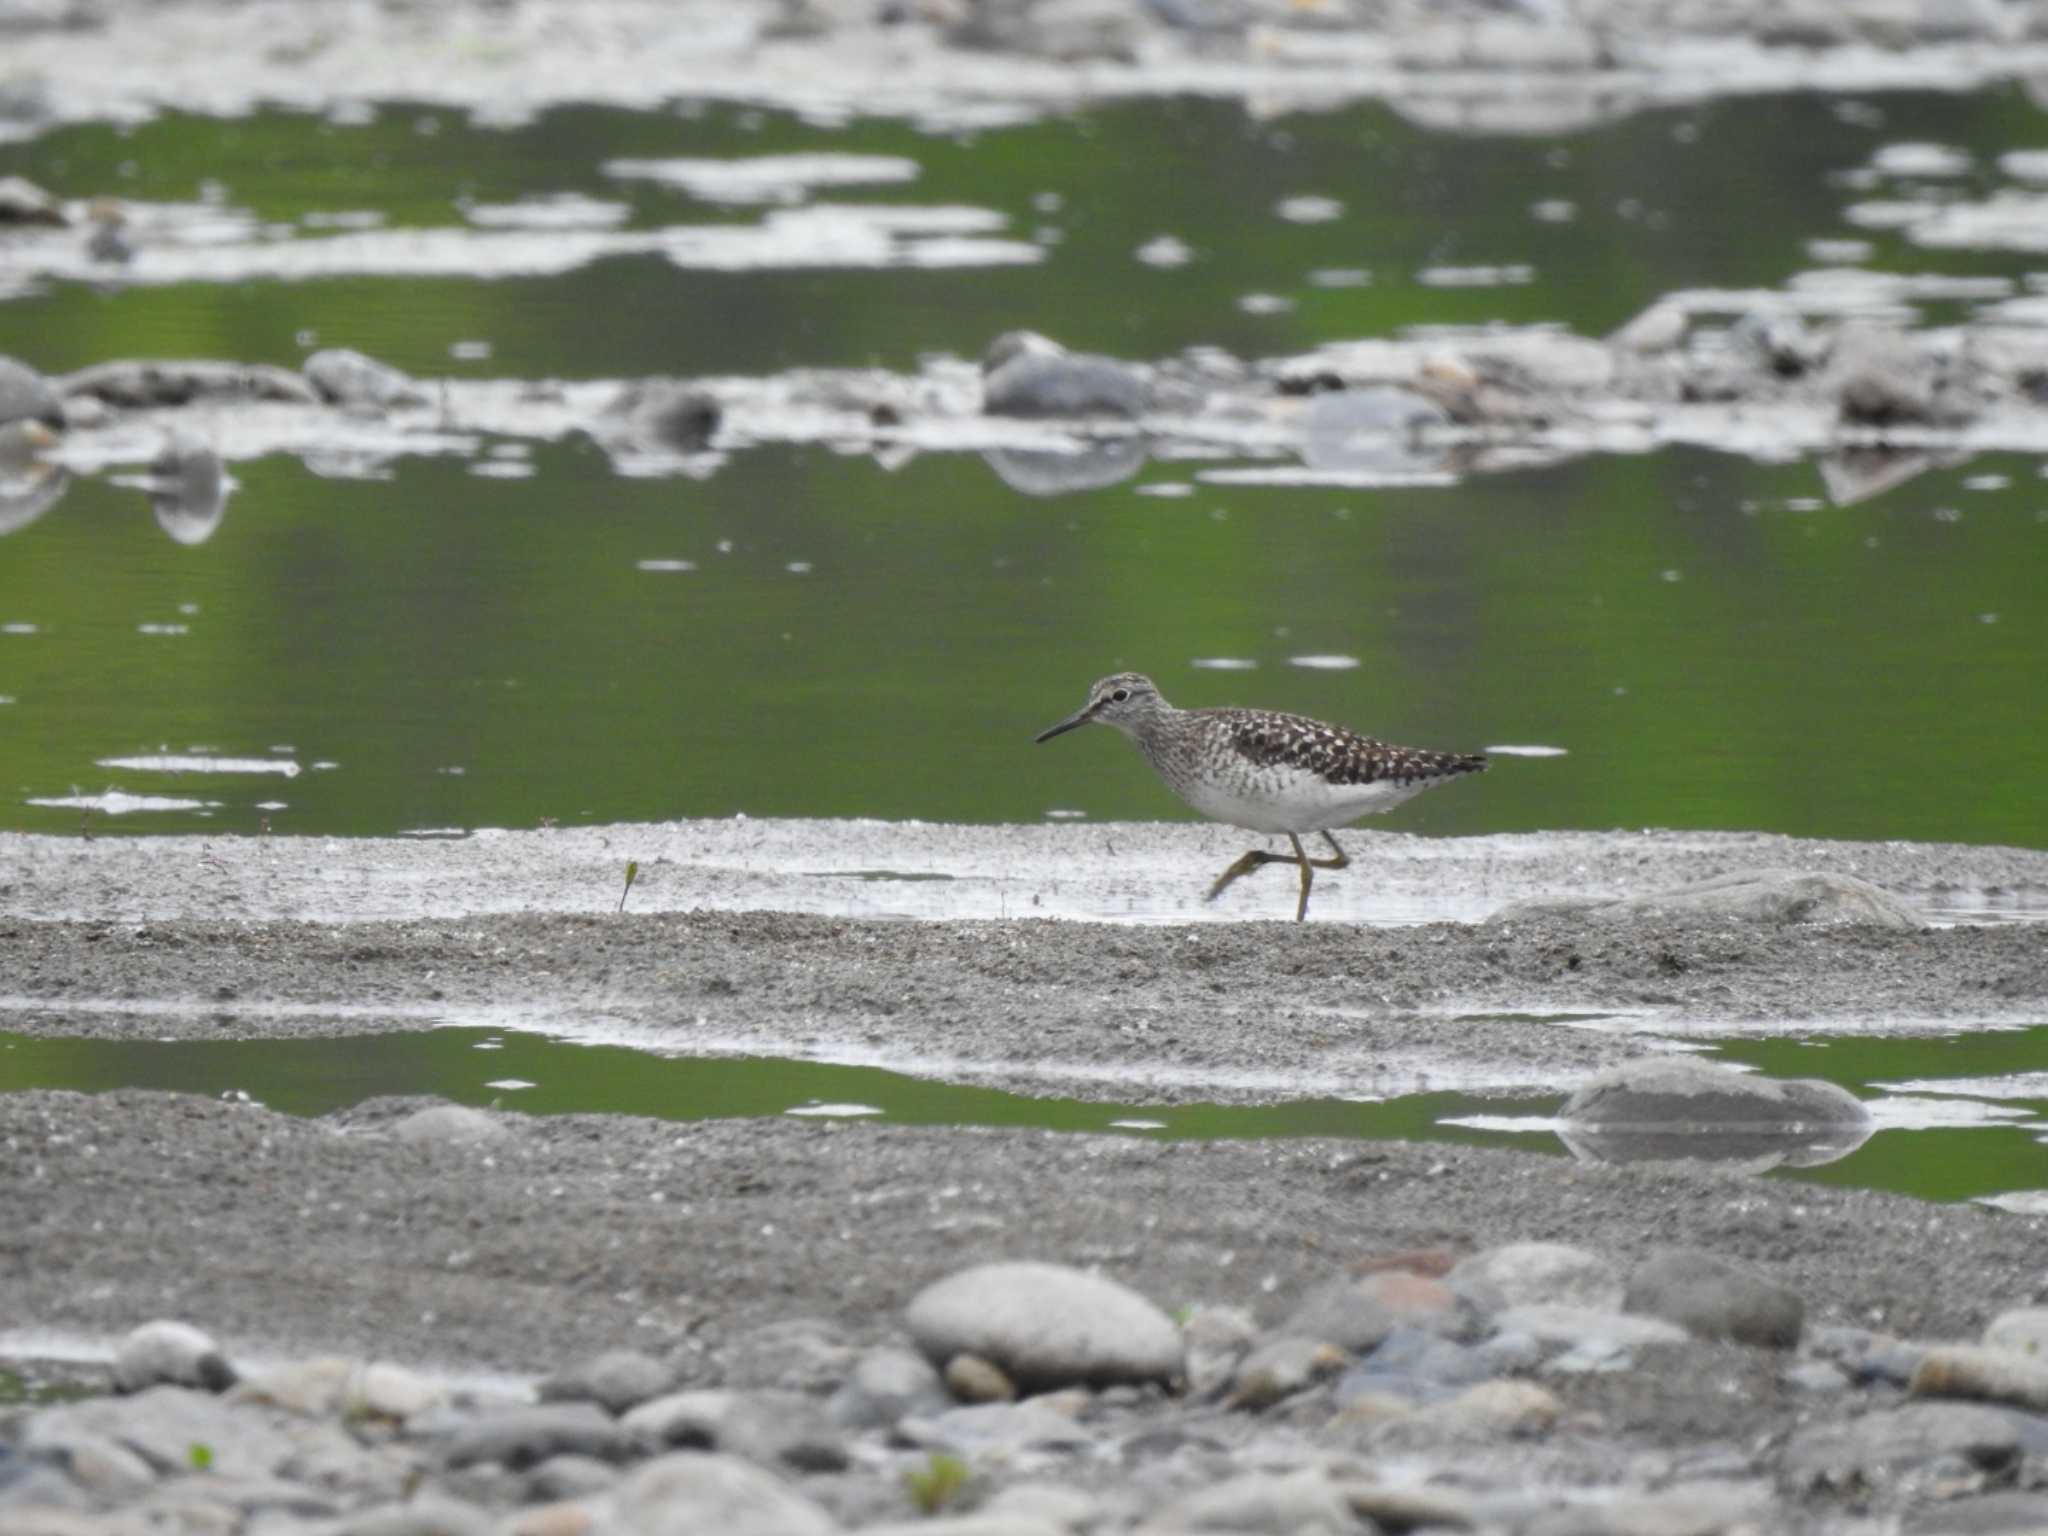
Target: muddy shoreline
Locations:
point(884, 944)
point(717, 1248)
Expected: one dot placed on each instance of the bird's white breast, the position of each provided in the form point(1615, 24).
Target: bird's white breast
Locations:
point(1283, 799)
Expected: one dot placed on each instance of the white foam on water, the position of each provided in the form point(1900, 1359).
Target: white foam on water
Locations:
point(201, 763)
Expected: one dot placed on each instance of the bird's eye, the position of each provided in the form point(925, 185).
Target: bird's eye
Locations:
point(1120, 695)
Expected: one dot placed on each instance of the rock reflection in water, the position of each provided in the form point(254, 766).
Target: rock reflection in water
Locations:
point(1379, 430)
point(1044, 472)
point(1858, 474)
point(1746, 1147)
point(188, 491)
point(29, 485)
point(1679, 1108)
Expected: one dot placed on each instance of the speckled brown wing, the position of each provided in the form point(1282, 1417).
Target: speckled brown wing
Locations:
point(1267, 738)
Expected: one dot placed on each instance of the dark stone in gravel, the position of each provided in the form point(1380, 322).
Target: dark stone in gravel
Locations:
point(525, 1437)
point(616, 1380)
point(1714, 1298)
point(1891, 1442)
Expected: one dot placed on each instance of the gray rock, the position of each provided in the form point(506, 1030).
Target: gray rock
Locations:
point(23, 202)
point(170, 1352)
point(149, 385)
point(1304, 1503)
point(1492, 1409)
point(616, 1380)
point(1356, 1314)
point(429, 1515)
point(1689, 1509)
point(1713, 1298)
point(1996, 1514)
point(886, 1384)
point(26, 395)
point(1537, 1274)
point(1665, 1107)
point(1572, 1327)
point(799, 1354)
point(570, 1477)
point(768, 1428)
point(1026, 374)
point(525, 1437)
point(2022, 1331)
point(41, 1486)
point(1894, 1441)
point(663, 415)
point(162, 1424)
point(1817, 1378)
point(454, 1125)
point(1864, 1355)
point(1281, 1367)
point(1046, 1326)
point(982, 1522)
point(1054, 1504)
point(2003, 1376)
point(1340, 1315)
point(1881, 377)
point(1762, 896)
point(1071, 31)
point(1215, 1340)
point(345, 377)
point(1428, 1357)
point(999, 1429)
point(312, 1388)
point(1409, 1508)
point(691, 1493)
point(102, 1467)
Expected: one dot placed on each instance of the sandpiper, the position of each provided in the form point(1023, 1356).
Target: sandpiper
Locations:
point(1266, 771)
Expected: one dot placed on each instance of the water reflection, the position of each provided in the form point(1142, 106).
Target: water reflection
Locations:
point(1859, 474)
point(1746, 1148)
point(188, 491)
point(1378, 430)
point(26, 496)
point(187, 486)
point(1047, 472)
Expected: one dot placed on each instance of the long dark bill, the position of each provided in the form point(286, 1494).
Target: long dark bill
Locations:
point(1078, 718)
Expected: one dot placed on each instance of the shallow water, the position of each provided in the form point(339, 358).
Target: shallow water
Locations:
point(1957, 1117)
point(513, 633)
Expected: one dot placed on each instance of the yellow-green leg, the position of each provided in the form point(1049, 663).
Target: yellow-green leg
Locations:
point(1259, 856)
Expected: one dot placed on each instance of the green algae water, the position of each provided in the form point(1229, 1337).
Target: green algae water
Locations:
point(513, 634)
point(1957, 1117)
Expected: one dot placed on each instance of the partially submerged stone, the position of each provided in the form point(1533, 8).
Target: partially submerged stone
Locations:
point(1663, 1107)
point(23, 202)
point(149, 385)
point(345, 377)
point(1759, 896)
point(1026, 374)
